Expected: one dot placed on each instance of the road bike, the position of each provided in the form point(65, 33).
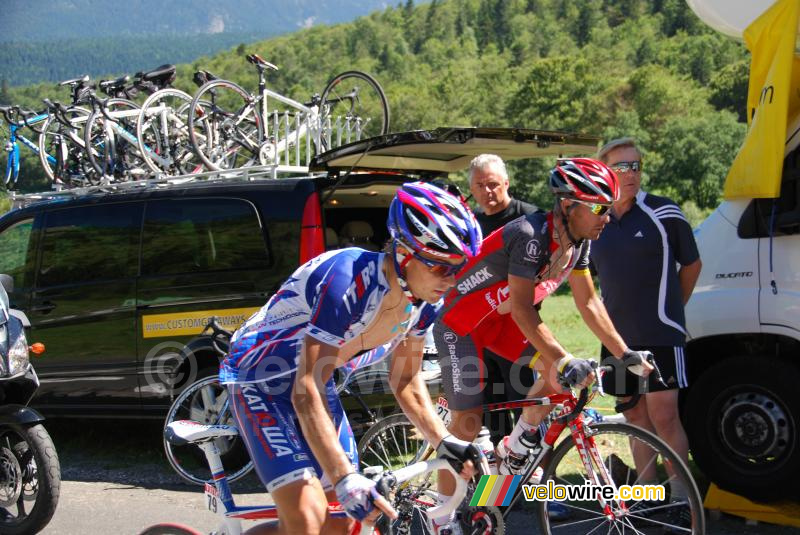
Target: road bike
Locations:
point(593, 453)
point(230, 127)
point(220, 501)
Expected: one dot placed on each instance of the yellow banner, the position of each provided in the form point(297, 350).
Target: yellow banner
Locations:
point(772, 96)
point(189, 323)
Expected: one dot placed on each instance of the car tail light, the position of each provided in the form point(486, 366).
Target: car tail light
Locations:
point(312, 240)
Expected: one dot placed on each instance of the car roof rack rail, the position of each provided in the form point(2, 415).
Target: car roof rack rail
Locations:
point(159, 181)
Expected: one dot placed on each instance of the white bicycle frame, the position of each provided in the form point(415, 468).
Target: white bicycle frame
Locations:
point(219, 498)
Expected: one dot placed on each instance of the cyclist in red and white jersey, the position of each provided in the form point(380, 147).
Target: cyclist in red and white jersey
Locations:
point(494, 305)
point(343, 307)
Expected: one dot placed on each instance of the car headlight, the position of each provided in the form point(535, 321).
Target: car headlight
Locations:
point(18, 357)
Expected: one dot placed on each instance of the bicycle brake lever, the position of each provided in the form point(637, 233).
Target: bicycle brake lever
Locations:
point(652, 361)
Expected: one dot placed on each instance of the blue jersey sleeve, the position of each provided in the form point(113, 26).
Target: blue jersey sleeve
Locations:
point(337, 292)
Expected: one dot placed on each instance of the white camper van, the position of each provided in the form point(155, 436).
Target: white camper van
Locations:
point(742, 410)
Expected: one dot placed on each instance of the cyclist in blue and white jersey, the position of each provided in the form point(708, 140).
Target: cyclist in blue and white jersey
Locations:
point(344, 305)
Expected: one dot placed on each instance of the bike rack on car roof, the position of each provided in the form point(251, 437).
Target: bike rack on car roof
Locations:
point(242, 174)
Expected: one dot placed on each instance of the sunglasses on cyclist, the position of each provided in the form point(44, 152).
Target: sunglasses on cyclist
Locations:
point(440, 269)
point(596, 209)
point(624, 167)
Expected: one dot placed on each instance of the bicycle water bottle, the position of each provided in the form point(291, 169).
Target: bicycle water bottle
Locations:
point(484, 442)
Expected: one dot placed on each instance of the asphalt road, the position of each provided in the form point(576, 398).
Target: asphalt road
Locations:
point(115, 482)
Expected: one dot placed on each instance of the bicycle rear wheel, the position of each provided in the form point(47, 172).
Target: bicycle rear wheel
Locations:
point(205, 401)
point(353, 106)
point(169, 529)
point(611, 445)
point(392, 443)
point(162, 132)
point(225, 126)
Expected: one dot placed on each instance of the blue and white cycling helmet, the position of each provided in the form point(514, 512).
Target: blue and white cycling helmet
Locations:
point(426, 219)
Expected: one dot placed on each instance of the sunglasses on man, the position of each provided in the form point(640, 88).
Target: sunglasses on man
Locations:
point(624, 167)
point(596, 209)
point(440, 269)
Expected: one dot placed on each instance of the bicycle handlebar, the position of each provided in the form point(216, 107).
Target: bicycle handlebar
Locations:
point(388, 481)
point(217, 333)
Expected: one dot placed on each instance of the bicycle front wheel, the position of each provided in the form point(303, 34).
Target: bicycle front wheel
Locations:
point(610, 448)
point(353, 106)
point(162, 132)
point(111, 144)
point(392, 443)
point(225, 126)
point(205, 401)
point(76, 170)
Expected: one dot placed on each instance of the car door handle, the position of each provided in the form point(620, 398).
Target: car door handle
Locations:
point(44, 308)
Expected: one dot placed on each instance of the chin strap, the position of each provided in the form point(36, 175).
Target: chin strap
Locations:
point(400, 263)
point(565, 223)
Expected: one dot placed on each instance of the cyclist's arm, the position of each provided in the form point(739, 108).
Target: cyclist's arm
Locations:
point(315, 366)
point(529, 322)
point(594, 313)
point(413, 396)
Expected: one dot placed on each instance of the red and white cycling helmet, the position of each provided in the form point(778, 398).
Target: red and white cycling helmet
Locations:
point(585, 180)
point(427, 219)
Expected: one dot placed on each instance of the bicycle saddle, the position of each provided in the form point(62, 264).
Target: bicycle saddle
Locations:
point(113, 86)
point(184, 432)
point(255, 59)
point(202, 77)
point(161, 76)
point(83, 80)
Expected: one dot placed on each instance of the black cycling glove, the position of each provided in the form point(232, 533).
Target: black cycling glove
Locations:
point(573, 371)
point(458, 451)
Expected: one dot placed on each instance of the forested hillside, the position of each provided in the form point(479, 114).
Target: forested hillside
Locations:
point(54, 39)
point(648, 69)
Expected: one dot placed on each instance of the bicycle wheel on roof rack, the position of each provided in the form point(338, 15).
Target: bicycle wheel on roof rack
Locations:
point(353, 106)
point(225, 126)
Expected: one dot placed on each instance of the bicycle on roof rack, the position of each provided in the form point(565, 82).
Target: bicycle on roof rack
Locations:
point(230, 127)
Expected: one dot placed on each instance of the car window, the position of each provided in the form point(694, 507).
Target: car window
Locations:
point(14, 243)
point(201, 235)
point(90, 243)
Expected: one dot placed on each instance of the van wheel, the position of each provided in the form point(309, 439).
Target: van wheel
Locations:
point(742, 421)
point(205, 401)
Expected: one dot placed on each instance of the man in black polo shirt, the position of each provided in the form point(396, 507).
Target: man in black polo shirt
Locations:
point(644, 292)
point(488, 183)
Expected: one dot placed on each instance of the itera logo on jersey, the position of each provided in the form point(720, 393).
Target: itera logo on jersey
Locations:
point(474, 280)
point(360, 284)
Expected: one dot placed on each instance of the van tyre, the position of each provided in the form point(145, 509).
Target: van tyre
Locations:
point(741, 419)
point(30, 479)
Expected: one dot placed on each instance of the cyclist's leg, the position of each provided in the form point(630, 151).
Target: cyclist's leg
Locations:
point(282, 457)
point(462, 374)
